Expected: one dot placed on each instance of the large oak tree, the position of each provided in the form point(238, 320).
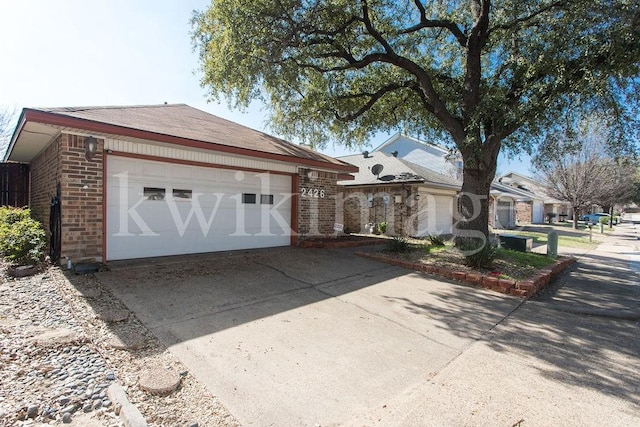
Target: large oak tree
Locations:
point(482, 75)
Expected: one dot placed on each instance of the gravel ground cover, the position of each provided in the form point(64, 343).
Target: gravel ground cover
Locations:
point(64, 339)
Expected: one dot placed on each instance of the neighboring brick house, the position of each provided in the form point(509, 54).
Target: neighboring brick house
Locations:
point(541, 205)
point(142, 181)
point(411, 199)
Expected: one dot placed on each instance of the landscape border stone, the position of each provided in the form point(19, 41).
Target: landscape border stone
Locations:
point(129, 414)
point(520, 288)
point(319, 244)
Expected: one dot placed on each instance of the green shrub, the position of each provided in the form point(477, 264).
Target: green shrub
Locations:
point(604, 220)
point(22, 239)
point(398, 244)
point(9, 215)
point(436, 239)
point(478, 253)
point(382, 227)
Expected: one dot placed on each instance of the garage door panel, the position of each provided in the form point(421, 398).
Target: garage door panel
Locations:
point(213, 219)
point(435, 214)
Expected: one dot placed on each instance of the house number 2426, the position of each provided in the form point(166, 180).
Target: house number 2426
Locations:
point(312, 192)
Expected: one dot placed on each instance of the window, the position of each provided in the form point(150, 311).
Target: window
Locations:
point(266, 199)
point(249, 198)
point(154, 193)
point(181, 194)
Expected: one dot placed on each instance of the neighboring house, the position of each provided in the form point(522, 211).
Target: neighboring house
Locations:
point(542, 203)
point(507, 206)
point(411, 199)
point(502, 203)
point(145, 181)
point(434, 157)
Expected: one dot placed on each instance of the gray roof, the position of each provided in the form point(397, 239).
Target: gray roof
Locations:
point(394, 170)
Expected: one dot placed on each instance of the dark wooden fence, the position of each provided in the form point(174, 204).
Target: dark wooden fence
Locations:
point(14, 184)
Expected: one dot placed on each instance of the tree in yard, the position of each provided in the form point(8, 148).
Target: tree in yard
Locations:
point(578, 166)
point(481, 75)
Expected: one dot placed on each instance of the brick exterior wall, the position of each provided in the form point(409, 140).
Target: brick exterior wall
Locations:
point(82, 208)
point(357, 210)
point(524, 212)
point(82, 215)
point(45, 174)
point(316, 203)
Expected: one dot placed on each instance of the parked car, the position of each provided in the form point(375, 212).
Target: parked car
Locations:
point(594, 218)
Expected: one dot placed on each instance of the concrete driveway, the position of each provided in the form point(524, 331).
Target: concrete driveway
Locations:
point(295, 336)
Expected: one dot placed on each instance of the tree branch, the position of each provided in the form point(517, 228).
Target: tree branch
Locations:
point(453, 28)
point(525, 19)
point(373, 99)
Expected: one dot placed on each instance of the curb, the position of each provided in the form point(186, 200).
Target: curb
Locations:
point(520, 288)
point(129, 414)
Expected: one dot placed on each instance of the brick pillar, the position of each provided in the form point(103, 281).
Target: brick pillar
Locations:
point(316, 203)
point(82, 199)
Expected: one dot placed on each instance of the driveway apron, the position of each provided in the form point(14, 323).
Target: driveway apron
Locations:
point(293, 336)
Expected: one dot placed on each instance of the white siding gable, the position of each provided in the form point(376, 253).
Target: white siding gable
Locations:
point(425, 155)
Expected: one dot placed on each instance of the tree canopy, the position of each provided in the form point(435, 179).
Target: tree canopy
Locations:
point(481, 75)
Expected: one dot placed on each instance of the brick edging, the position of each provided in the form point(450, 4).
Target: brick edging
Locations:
point(521, 288)
point(345, 244)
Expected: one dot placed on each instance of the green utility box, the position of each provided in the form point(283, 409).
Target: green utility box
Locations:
point(516, 243)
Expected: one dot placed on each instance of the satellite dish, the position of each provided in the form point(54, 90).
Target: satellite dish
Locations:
point(376, 169)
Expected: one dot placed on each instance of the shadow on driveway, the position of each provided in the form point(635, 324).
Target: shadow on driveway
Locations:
point(304, 336)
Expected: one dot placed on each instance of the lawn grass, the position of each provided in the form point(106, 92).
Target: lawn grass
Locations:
point(524, 259)
point(566, 241)
point(507, 264)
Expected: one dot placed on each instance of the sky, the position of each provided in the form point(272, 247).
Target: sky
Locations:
point(70, 53)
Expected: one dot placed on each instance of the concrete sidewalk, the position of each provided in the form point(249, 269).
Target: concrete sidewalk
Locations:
point(604, 282)
point(569, 357)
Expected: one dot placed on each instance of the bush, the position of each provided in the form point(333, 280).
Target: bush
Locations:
point(9, 215)
point(22, 239)
point(603, 220)
point(436, 239)
point(382, 227)
point(478, 253)
point(398, 244)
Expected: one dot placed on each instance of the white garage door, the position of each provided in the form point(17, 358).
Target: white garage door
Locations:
point(157, 209)
point(504, 215)
point(538, 212)
point(435, 215)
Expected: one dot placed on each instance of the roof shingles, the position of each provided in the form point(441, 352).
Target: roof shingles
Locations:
point(183, 121)
point(394, 170)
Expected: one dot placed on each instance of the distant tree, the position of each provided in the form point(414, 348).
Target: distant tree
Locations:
point(6, 117)
point(483, 75)
point(577, 166)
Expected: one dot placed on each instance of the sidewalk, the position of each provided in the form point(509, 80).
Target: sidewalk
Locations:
point(605, 281)
point(569, 357)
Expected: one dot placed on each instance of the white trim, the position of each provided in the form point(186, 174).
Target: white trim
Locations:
point(169, 151)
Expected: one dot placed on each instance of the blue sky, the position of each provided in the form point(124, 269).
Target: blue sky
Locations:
point(66, 53)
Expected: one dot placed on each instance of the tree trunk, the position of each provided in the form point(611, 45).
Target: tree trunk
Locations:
point(610, 217)
point(575, 217)
point(473, 221)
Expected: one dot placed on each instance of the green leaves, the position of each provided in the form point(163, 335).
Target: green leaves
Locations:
point(22, 239)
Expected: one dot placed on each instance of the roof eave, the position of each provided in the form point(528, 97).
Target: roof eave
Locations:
point(14, 137)
point(62, 120)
